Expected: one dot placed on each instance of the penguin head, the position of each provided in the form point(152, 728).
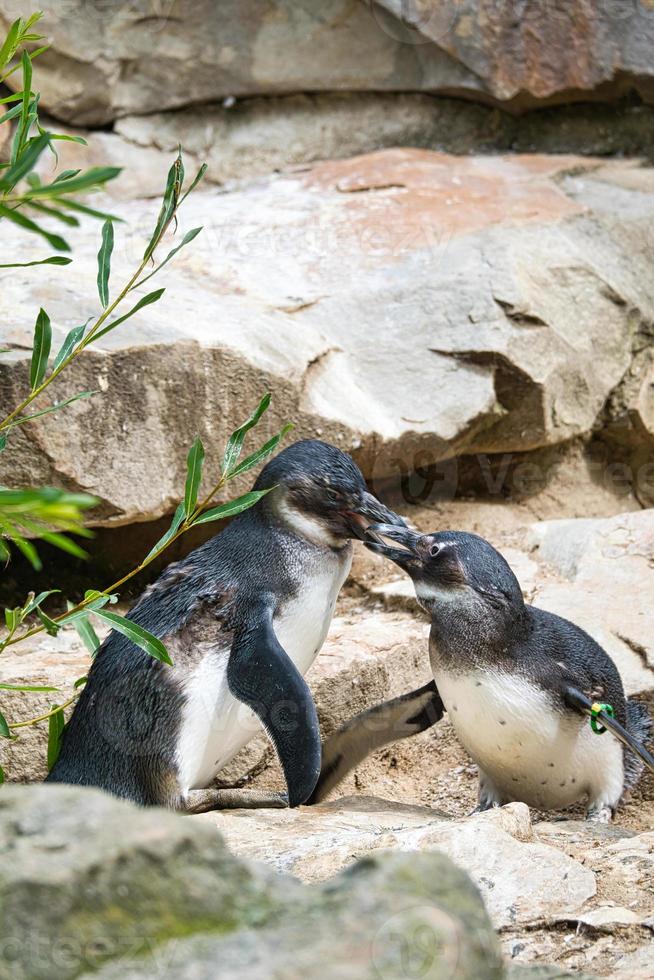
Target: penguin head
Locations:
point(319, 491)
point(452, 569)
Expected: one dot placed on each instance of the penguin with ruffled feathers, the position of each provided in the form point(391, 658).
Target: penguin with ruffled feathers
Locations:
point(243, 617)
point(518, 684)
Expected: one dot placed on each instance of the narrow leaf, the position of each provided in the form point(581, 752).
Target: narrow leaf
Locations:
point(64, 544)
point(194, 463)
point(146, 641)
point(53, 260)
point(145, 301)
point(2, 775)
point(34, 603)
point(232, 507)
point(188, 237)
point(55, 731)
point(87, 634)
point(172, 530)
point(25, 687)
point(81, 182)
point(260, 454)
point(73, 337)
point(65, 202)
point(56, 241)
point(235, 444)
point(4, 727)
point(168, 206)
point(24, 163)
point(53, 408)
point(51, 627)
point(196, 180)
point(80, 682)
point(10, 42)
point(41, 349)
point(104, 262)
point(65, 219)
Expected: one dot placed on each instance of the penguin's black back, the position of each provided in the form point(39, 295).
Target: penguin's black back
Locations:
point(123, 731)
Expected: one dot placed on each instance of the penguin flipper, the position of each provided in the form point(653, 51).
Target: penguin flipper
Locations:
point(389, 722)
point(261, 675)
point(581, 702)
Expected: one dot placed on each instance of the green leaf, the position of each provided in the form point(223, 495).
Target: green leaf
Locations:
point(194, 463)
point(87, 634)
point(104, 262)
point(196, 180)
point(64, 544)
point(25, 687)
point(10, 42)
point(22, 130)
point(172, 530)
point(56, 241)
point(81, 182)
point(260, 454)
point(73, 338)
point(65, 202)
point(66, 219)
point(11, 113)
point(12, 619)
point(66, 175)
point(232, 507)
point(80, 682)
point(51, 627)
point(28, 550)
point(24, 163)
point(67, 138)
point(3, 444)
point(41, 349)
point(4, 727)
point(146, 641)
point(145, 301)
point(56, 724)
point(2, 775)
point(53, 260)
point(188, 237)
point(235, 444)
point(35, 602)
point(53, 408)
point(168, 206)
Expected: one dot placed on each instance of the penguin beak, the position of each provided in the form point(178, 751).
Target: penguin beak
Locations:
point(407, 555)
point(371, 511)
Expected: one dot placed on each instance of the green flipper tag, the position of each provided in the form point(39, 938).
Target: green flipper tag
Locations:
point(595, 709)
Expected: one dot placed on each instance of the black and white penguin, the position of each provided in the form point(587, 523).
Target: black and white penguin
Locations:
point(243, 618)
point(518, 684)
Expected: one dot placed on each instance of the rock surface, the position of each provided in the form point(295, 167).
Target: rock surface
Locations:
point(94, 886)
point(519, 880)
point(108, 61)
point(525, 292)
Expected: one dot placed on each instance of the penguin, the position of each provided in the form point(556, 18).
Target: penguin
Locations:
point(518, 684)
point(243, 617)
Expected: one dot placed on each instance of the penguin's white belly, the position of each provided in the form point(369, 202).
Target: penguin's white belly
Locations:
point(530, 751)
point(215, 726)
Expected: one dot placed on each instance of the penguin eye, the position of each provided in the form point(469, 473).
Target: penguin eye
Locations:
point(435, 550)
point(334, 494)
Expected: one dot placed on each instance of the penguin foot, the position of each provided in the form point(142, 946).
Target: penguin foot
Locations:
point(599, 813)
point(203, 800)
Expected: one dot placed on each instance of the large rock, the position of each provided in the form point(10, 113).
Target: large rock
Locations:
point(520, 880)
point(408, 304)
point(90, 885)
point(108, 60)
point(605, 585)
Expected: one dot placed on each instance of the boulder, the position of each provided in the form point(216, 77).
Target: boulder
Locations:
point(520, 880)
point(92, 886)
point(604, 585)
point(509, 299)
point(107, 61)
